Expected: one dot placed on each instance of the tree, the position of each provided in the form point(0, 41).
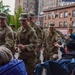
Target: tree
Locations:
point(4, 8)
point(14, 19)
point(17, 15)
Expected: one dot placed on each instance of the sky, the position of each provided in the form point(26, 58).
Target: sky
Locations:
point(11, 3)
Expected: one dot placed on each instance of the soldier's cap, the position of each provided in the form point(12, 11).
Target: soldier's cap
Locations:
point(12, 25)
point(3, 15)
point(70, 27)
point(52, 24)
point(23, 16)
point(31, 14)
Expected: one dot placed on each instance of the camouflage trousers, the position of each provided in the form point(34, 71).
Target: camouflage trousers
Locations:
point(29, 61)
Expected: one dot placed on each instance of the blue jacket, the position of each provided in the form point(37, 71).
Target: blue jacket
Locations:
point(51, 67)
point(15, 67)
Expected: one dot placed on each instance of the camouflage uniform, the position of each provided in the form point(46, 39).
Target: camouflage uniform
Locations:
point(27, 37)
point(6, 35)
point(60, 33)
point(70, 31)
point(14, 32)
point(70, 28)
point(50, 39)
point(39, 35)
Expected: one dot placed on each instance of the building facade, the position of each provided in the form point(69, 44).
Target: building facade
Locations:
point(66, 2)
point(27, 5)
point(62, 16)
point(49, 4)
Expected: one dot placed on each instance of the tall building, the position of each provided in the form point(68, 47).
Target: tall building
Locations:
point(49, 4)
point(27, 5)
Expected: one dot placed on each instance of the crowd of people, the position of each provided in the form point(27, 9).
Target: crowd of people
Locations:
point(29, 40)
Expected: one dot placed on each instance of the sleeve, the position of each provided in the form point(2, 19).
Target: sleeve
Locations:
point(9, 39)
point(39, 33)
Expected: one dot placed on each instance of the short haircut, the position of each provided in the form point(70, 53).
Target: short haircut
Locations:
point(71, 45)
point(5, 55)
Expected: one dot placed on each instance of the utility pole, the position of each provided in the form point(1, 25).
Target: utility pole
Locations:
point(38, 11)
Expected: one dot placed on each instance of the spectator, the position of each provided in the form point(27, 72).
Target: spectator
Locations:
point(68, 55)
point(5, 56)
point(10, 66)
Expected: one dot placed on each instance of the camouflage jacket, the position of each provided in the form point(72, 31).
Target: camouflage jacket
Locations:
point(50, 39)
point(27, 37)
point(38, 32)
point(6, 37)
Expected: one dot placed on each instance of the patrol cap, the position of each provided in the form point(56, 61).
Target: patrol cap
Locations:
point(23, 16)
point(3, 15)
point(70, 27)
point(31, 14)
point(12, 25)
point(52, 24)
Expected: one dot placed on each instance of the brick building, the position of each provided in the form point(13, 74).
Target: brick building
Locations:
point(49, 4)
point(66, 17)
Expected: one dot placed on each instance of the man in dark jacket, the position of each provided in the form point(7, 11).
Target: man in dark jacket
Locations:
point(68, 55)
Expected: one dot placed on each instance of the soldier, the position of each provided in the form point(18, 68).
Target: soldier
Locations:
point(38, 32)
point(12, 26)
point(26, 42)
point(60, 33)
point(50, 38)
point(6, 33)
point(70, 30)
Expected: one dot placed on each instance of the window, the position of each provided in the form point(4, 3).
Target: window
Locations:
point(65, 24)
point(48, 16)
point(45, 24)
point(73, 13)
point(73, 23)
point(61, 15)
point(45, 17)
point(53, 15)
point(65, 14)
point(60, 24)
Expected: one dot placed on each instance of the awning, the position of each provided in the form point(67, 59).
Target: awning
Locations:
point(63, 31)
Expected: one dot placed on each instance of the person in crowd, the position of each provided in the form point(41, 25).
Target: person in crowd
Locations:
point(26, 42)
point(5, 55)
point(50, 38)
point(9, 65)
point(68, 55)
point(38, 32)
point(6, 33)
point(12, 26)
point(69, 52)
